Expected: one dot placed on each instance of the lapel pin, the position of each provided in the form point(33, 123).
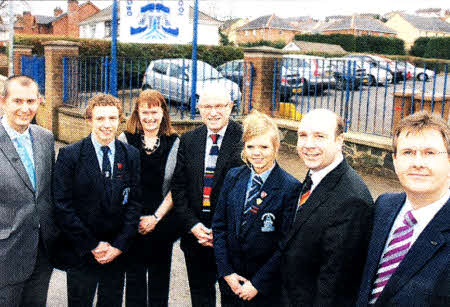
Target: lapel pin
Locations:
point(119, 165)
point(263, 194)
point(434, 243)
point(258, 201)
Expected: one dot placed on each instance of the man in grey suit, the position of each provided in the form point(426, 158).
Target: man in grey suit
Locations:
point(26, 222)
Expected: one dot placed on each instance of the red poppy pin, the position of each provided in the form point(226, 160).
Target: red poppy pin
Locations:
point(119, 166)
point(263, 194)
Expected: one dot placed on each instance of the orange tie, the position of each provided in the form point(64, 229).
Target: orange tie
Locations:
point(306, 191)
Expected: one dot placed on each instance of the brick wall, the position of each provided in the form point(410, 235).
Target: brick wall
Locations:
point(265, 34)
point(60, 26)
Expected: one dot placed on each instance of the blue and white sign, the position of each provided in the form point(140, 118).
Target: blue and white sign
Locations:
point(157, 21)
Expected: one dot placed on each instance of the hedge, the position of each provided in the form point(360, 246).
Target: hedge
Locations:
point(364, 43)
point(418, 49)
point(214, 55)
point(438, 48)
point(277, 44)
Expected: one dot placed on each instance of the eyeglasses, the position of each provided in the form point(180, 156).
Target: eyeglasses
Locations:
point(425, 154)
point(210, 107)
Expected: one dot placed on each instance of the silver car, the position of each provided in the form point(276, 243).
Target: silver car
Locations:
point(172, 77)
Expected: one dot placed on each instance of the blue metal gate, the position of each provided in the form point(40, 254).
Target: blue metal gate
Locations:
point(34, 67)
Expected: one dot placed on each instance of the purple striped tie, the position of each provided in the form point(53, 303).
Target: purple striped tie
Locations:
point(395, 252)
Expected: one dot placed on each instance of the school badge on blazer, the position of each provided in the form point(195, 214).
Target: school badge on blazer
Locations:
point(268, 219)
point(125, 193)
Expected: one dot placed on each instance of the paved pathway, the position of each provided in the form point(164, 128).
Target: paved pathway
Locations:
point(179, 289)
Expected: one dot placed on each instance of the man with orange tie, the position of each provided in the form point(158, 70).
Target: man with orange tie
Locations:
point(409, 252)
point(323, 254)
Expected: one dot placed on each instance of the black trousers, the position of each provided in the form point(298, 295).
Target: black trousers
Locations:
point(152, 258)
point(202, 275)
point(82, 281)
point(33, 291)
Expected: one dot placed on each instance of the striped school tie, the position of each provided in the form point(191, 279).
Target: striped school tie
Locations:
point(306, 191)
point(208, 179)
point(254, 191)
point(398, 247)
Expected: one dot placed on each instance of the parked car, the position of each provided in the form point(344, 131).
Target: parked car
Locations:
point(377, 66)
point(234, 71)
point(172, 77)
point(416, 72)
point(303, 74)
point(345, 72)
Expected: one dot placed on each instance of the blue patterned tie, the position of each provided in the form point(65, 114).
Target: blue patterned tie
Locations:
point(26, 159)
point(254, 190)
point(107, 175)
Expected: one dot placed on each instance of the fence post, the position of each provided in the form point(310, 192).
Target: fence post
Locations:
point(263, 60)
point(54, 52)
point(20, 50)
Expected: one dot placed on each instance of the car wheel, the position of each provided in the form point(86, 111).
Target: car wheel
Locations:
point(340, 84)
point(372, 80)
point(422, 77)
point(146, 87)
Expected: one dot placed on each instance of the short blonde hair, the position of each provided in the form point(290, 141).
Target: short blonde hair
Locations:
point(256, 124)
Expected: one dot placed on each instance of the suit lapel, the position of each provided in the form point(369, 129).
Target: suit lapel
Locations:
point(90, 161)
point(199, 141)
point(39, 159)
point(225, 151)
point(119, 158)
point(427, 244)
point(240, 193)
point(270, 187)
point(7, 147)
point(319, 196)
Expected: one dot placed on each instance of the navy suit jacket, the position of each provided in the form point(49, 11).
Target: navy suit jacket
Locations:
point(81, 209)
point(418, 275)
point(249, 251)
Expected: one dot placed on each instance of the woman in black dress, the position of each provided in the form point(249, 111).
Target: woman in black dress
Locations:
point(149, 129)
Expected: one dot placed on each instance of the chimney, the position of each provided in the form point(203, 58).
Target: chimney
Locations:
point(57, 11)
point(72, 6)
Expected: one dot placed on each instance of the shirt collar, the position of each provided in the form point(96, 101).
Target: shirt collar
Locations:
point(317, 176)
point(98, 146)
point(264, 175)
point(13, 134)
point(221, 132)
point(425, 214)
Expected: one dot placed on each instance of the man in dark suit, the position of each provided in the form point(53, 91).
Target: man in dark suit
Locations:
point(409, 252)
point(204, 157)
point(97, 203)
point(323, 254)
point(26, 217)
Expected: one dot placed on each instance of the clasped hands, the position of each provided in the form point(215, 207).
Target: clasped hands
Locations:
point(203, 234)
point(241, 286)
point(105, 252)
point(147, 224)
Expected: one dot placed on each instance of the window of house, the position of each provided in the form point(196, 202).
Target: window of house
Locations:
point(93, 29)
point(281, 32)
point(246, 33)
point(254, 32)
point(108, 28)
point(369, 32)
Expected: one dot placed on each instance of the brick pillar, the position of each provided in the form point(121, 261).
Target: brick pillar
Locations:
point(20, 50)
point(54, 52)
point(263, 60)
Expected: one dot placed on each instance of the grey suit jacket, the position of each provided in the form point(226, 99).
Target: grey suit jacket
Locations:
point(25, 214)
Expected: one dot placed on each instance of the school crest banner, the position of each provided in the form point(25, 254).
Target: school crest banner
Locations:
point(162, 21)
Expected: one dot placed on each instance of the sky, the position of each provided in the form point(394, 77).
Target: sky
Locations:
point(253, 8)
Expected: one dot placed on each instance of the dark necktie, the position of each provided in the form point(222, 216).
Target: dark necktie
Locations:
point(208, 179)
point(250, 207)
point(306, 191)
point(106, 172)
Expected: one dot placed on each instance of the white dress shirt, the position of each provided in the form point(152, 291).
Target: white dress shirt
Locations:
point(317, 176)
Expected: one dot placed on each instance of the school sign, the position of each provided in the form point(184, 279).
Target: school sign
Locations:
point(163, 21)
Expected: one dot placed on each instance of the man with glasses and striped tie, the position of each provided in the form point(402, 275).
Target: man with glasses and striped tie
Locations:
point(205, 156)
point(409, 252)
point(323, 253)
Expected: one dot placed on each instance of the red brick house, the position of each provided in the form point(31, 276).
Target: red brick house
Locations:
point(58, 24)
point(360, 25)
point(270, 28)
